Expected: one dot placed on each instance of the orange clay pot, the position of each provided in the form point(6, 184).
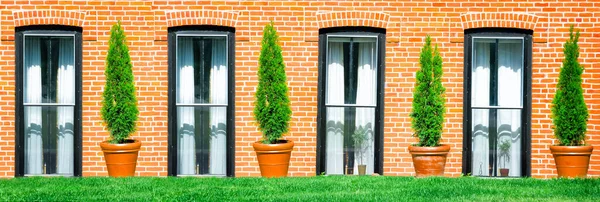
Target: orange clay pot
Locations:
point(429, 161)
point(121, 159)
point(572, 161)
point(274, 159)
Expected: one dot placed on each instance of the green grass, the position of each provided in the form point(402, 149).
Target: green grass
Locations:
point(322, 188)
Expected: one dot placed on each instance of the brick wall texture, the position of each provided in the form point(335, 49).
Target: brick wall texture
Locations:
point(298, 23)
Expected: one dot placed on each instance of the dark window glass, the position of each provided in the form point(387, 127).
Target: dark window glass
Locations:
point(496, 113)
point(201, 128)
point(349, 133)
point(48, 83)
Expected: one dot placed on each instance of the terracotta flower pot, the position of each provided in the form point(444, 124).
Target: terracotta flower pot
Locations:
point(504, 172)
point(121, 159)
point(274, 159)
point(429, 161)
point(572, 161)
point(362, 169)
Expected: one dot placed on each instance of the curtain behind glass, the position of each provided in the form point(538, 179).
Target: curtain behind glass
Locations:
point(65, 95)
point(335, 116)
point(341, 150)
point(49, 146)
point(218, 115)
point(510, 91)
point(480, 86)
point(33, 115)
point(186, 143)
point(366, 95)
point(191, 130)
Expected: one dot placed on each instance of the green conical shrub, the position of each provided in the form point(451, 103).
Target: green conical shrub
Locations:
point(119, 104)
point(272, 109)
point(428, 106)
point(569, 112)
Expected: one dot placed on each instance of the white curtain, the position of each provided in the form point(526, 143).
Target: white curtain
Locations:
point(335, 116)
point(218, 115)
point(33, 115)
point(510, 91)
point(65, 95)
point(480, 96)
point(186, 154)
point(366, 95)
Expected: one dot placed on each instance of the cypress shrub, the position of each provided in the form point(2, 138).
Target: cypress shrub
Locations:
point(569, 112)
point(272, 109)
point(428, 106)
point(119, 104)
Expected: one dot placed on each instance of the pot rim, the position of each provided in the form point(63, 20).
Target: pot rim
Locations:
point(259, 146)
point(586, 149)
point(136, 144)
point(572, 146)
point(436, 148)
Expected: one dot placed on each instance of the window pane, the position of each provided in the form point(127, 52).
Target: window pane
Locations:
point(509, 141)
point(480, 142)
point(497, 82)
point(49, 77)
point(201, 70)
point(49, 73)
point(480, 84)
point(201, 140)
point(506, 80)
point(499, 147)
point(49, 140)
point(510, 76)
point(346, 126)
point(351, 71)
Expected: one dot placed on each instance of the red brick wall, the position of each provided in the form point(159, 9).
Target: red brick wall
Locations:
point(298, 22)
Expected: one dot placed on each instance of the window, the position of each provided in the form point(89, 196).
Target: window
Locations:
point(201, 102)
point(497, 103)
point(350, 101)
point(48, 75)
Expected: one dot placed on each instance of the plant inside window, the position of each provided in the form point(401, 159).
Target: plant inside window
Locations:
point(504, 154)
point(428, 109)
point(361, 144)
point(570, 114)
point(272, 109)
point(119, 107)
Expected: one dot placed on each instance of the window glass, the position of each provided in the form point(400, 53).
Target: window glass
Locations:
point(497, 100)
point(351, 81)
point(49, 101)
point(351, 70)
point(202, 73)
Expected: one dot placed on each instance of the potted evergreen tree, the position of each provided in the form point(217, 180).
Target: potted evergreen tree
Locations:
point(428, 109)
point(272, 109)
point(570, 115)
point(119, 108)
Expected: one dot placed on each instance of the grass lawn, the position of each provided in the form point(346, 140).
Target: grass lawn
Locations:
point(322, 188)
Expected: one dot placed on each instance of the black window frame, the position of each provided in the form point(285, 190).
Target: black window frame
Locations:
point(49, 30)
point(380, 33)
point(200, 30)
point(498, 33)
